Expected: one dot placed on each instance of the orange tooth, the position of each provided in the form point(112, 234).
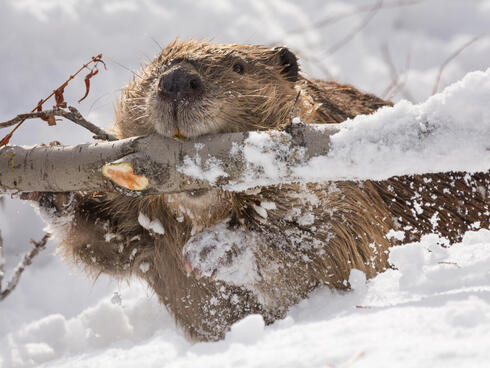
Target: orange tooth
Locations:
point(179, 135)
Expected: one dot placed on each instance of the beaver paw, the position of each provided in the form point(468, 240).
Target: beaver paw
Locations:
point(223, 254)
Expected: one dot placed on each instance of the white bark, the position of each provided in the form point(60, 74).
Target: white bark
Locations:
point(239, 161)
point(169, 165)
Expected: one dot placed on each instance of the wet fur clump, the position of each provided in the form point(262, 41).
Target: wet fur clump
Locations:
point(219, 256)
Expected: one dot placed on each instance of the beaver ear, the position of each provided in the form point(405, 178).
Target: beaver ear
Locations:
point(289, 62)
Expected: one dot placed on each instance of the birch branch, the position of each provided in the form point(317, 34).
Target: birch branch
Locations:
point(152, 164)
point(239, 161)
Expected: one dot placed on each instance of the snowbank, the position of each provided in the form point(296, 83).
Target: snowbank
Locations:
point(432, 310)
point(448, 132)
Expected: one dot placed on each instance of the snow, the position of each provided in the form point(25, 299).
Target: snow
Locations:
point(247, 330)
point(448, 132)
point(432, 310)
point(144, 267)
point(399, 235)
point(211, 172)
point(436, 302)
point(153, 225)
point(210, 250)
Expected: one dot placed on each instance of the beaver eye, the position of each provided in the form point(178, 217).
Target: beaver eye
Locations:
point(238, 68)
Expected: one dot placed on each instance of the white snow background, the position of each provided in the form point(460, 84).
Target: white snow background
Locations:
point(433, 310)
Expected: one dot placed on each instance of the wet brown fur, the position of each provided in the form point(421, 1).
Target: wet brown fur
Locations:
point(315, 235)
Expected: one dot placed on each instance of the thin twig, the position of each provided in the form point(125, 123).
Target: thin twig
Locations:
point(73, 115)
point(398, 79)
point(363, 9)
point(320, 64)
point(391, 66)
point(401, 83)
point(26, 261)
point(2, 260)
point(450, 58)
point(356, 30)
point(59, 93)
point(449, 263)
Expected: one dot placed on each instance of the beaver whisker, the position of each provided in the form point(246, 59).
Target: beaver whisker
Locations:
point(135, 98)
point(260, 96)
point(141, 117)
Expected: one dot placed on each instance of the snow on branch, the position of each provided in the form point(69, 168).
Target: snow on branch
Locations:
point(26, 261)
point(157, 164)
point(449, 132)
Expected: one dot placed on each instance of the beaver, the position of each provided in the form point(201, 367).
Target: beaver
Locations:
point(214, 256)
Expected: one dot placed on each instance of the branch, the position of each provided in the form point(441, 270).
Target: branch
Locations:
point(239, 161)
point(58, 94)
point(398, 79)
point(26, 261)
point(73, 114)
point(449, 59)
point(356, 30)
point(2, 262)
point(362, 9)
point(164, 165)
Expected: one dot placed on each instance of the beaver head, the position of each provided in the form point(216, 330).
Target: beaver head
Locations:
point(195, 88)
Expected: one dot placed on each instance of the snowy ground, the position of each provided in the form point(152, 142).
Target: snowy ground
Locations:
point(434, 310)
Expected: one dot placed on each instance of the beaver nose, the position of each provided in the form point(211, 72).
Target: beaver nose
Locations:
point(180, 83)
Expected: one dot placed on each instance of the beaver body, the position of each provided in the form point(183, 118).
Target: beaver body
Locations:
point(213, 256)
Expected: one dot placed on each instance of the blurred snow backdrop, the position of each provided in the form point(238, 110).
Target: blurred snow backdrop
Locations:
point(434, 310)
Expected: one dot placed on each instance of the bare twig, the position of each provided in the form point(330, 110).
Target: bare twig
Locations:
point(363, 9)
point(73, 115)
point(26, 261)
point(356, 30)
point(450, 58)
point(2, 261)
point(449, 263)
point(320, 64)
point(398, 79)
point(395, 75)
point(400, 86)
point(58, 93)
